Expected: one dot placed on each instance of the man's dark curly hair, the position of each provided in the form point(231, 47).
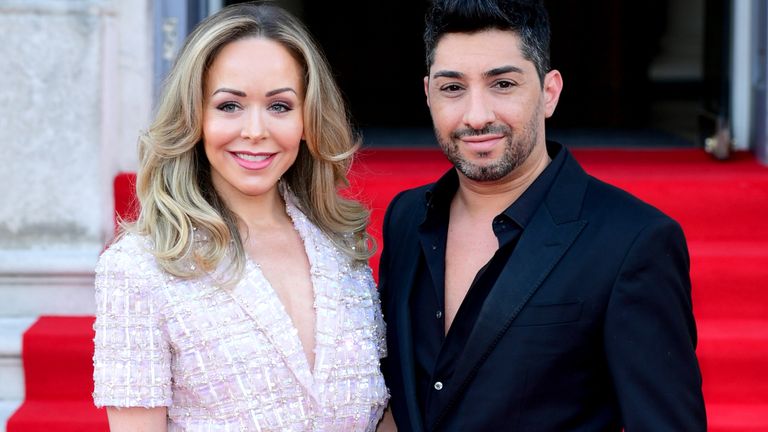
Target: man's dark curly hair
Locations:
point(527, 18)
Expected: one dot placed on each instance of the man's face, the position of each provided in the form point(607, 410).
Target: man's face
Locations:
point(487, 103)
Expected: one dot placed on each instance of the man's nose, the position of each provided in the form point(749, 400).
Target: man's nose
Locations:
point(479, 111)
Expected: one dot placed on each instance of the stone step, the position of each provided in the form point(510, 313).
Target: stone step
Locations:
point(36, 283)
point(734, 417)
point(11, 369)
point(732, 356)
point(728, 280)
point(6, 409)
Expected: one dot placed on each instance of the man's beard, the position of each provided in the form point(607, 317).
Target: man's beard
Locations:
point(517, 148)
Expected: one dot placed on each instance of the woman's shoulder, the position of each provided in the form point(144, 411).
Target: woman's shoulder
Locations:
point(129, 251)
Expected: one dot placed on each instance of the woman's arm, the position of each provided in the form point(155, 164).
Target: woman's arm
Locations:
point(387, 423)
point(137, 419)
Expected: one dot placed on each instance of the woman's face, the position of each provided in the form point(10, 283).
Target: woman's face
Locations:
point(252, 117)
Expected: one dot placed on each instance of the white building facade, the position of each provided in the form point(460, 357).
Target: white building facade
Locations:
point(76, 89)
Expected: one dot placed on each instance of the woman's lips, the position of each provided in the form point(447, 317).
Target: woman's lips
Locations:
point(253, 161)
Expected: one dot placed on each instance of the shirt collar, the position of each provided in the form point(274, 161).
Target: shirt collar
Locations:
point(439, 196)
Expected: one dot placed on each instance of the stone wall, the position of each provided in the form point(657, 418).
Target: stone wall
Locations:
point(75, 90)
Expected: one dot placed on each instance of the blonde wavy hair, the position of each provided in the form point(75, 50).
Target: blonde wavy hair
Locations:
point(174, 180)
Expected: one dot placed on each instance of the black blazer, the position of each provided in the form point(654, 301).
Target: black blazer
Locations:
point(588, 328)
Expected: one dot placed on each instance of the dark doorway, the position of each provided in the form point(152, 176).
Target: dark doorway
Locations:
point(633, 71)
point(604, 49)
point(623, 69)
point(376, 50)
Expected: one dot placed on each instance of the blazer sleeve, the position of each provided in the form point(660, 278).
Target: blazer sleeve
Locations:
point(391, 228)
point(650, 334)
point(384, 268)
point(132, 354)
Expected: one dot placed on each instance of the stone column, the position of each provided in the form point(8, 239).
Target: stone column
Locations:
point(76, 90)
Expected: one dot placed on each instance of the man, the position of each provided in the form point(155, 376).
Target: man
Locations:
point(519, 292)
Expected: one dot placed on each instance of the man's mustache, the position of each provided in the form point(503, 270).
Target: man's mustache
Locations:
point(487, 130)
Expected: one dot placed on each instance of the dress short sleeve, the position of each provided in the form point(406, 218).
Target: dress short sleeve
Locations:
point(132, 355)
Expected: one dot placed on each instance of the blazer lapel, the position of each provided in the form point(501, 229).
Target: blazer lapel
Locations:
point(257, 298)
point(260, 301)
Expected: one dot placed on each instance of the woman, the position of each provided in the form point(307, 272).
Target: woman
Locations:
point(240, 299)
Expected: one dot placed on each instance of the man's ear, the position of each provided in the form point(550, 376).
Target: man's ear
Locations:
point(426, 88)
point(553, 85)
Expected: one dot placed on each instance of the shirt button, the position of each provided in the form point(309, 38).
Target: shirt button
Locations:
point(439, 314)
point(438, 386)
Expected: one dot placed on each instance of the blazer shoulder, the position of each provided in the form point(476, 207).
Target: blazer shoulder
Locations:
point(129, 250)
point(576, 194)
point(404, 214)
point(408, 202)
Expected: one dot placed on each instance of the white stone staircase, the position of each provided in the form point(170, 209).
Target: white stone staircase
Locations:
point(11, 370)
point(86, 69)
point(34, 283)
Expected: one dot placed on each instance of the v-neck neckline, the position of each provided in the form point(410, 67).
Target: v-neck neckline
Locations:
point(271, 315)
point(279, 306)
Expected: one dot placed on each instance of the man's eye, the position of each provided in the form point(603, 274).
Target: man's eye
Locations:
point(228, 107)
point(451, 88)
point(505, 84)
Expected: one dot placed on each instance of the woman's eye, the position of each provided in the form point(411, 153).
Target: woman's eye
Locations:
point(228, 107)
point(280, 107)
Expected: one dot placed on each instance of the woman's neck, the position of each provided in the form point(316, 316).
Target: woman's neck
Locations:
point(258, 213)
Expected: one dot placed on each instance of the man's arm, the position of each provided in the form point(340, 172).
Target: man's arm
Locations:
point(387, 246)
point(650, 335)
point(385, 291)
point(384, 270)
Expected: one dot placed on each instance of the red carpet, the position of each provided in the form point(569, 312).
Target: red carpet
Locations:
point(58, 375)
point(722, 206)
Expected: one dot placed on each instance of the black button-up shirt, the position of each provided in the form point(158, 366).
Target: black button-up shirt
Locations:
point(435, 353)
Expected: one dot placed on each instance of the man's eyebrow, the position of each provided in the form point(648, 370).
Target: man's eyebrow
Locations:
point(501, 71)
point(280, 90)
point(487, 74)
point(229, 90)
point(447, 74)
